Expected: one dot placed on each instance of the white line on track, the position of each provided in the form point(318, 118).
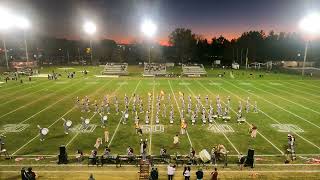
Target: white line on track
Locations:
point(174, 96)
point(115, 132)
point(249, 124)
point(152, 116)
point(275, 120)
point(275, 105)
point(39, 99)
point(287, 100)
point(234, 147)
point(56, 121)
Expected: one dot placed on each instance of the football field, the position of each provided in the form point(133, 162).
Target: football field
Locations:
point(286, 104)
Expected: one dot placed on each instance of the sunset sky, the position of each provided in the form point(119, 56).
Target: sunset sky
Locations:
point(120, 19)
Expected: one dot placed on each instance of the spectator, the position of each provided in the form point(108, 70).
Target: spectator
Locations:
point(79, 155)
point(171, 171)
point(199, 174)
point(214, 175)
point(91, 177)
point(154, 174)
point(186, 173)
point(30, 174)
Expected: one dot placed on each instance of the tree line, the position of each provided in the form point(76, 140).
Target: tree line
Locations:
point(184, 46)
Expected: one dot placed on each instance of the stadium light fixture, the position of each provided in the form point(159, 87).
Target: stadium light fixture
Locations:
point(89, 27)
point(309, 24)
point(24, 24)
point(148, 28)
point(6, 23)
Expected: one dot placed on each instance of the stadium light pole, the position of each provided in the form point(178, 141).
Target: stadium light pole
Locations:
point(148, 28)
point(6, 23)
point(90, 28)
point(24, 24)
point(310, 25)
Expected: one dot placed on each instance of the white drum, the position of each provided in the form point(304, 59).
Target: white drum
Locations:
point(87, 121)
point(204, 156)
point(126, 115)
point(69, 123)
point(44, 131)
point(105, 118)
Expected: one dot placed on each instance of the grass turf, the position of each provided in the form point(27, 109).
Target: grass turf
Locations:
point(281, 98)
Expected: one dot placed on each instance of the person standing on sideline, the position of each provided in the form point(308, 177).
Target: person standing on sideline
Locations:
point(186, 173)
point(199, 174)
point(214, 174)
point(106, 136)
point(154, 175)
point(171, 171)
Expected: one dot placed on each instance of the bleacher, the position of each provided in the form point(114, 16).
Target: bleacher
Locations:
point(193, 70)
point(154, 69)
point(115, 69)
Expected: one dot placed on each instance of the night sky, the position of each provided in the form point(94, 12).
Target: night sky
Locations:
point(120, 19)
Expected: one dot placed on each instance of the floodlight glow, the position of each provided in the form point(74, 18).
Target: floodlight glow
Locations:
point(90, 28)
point(148, 28)
point(6, 19)
point(22, 22)
point(311, 23)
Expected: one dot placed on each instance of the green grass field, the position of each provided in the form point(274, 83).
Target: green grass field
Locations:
point(281, 98)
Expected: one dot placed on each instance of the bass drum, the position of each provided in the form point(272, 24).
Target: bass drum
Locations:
point(204, 156)
point(44, 131)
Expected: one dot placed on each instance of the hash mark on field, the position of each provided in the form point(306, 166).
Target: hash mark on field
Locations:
point(276, 121)
point(215, 121)
point(56, 121)
point(116, 130)
point(174, 96)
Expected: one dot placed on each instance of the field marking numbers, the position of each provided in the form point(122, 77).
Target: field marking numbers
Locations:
point(159, 128)
point(271, 117)
point(220, 128)
point(287, 128)
point(13, 128)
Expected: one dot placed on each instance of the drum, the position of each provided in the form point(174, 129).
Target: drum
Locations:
point(105, 118)
point(204, 156)
point(87, 121)
point(44, 131)
point(69, 123)
point(126, 115)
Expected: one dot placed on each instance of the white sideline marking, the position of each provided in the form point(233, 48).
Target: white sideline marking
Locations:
point(115, 131)
point(174, 96)
point(308, 84)
point(275, 84)
point(55, 121)
point(245, 84)
point(234, 147)
point(215, 84)
point(151, 120)
point(288, 99)
point(278, 106)
point(276, 121)
point(44, 97)
point(248, 123)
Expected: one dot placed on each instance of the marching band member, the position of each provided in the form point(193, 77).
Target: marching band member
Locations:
point(255, 107)
point(204, 119)
point(253, 131)
point(65, 126)
point(164, 112)
point(147, 117)
point(84, 125)
point(183, 126)
point(157, 118)
point(176, 140)
point(193, 118)
point(106, 135)
point(40, 133)
point(103, 119)
point(248, 105)
point(124, 118)
point(141, 107)
point(171, 115)
point(136, 118)
point(98, 143)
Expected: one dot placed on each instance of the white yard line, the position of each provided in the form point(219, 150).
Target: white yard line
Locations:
point(28, 94)
point(304, 92)
point(274, 120)
point(248, 123)
point(296, 95)
point(152, 116)
point(308, 84)
point(117, 128)
point(234, 147)
point(275, 105)
point(22, 89)
point(55, 121)
point(39, 99)
point(287, 100)
point(74, 137)
point(174, 96)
